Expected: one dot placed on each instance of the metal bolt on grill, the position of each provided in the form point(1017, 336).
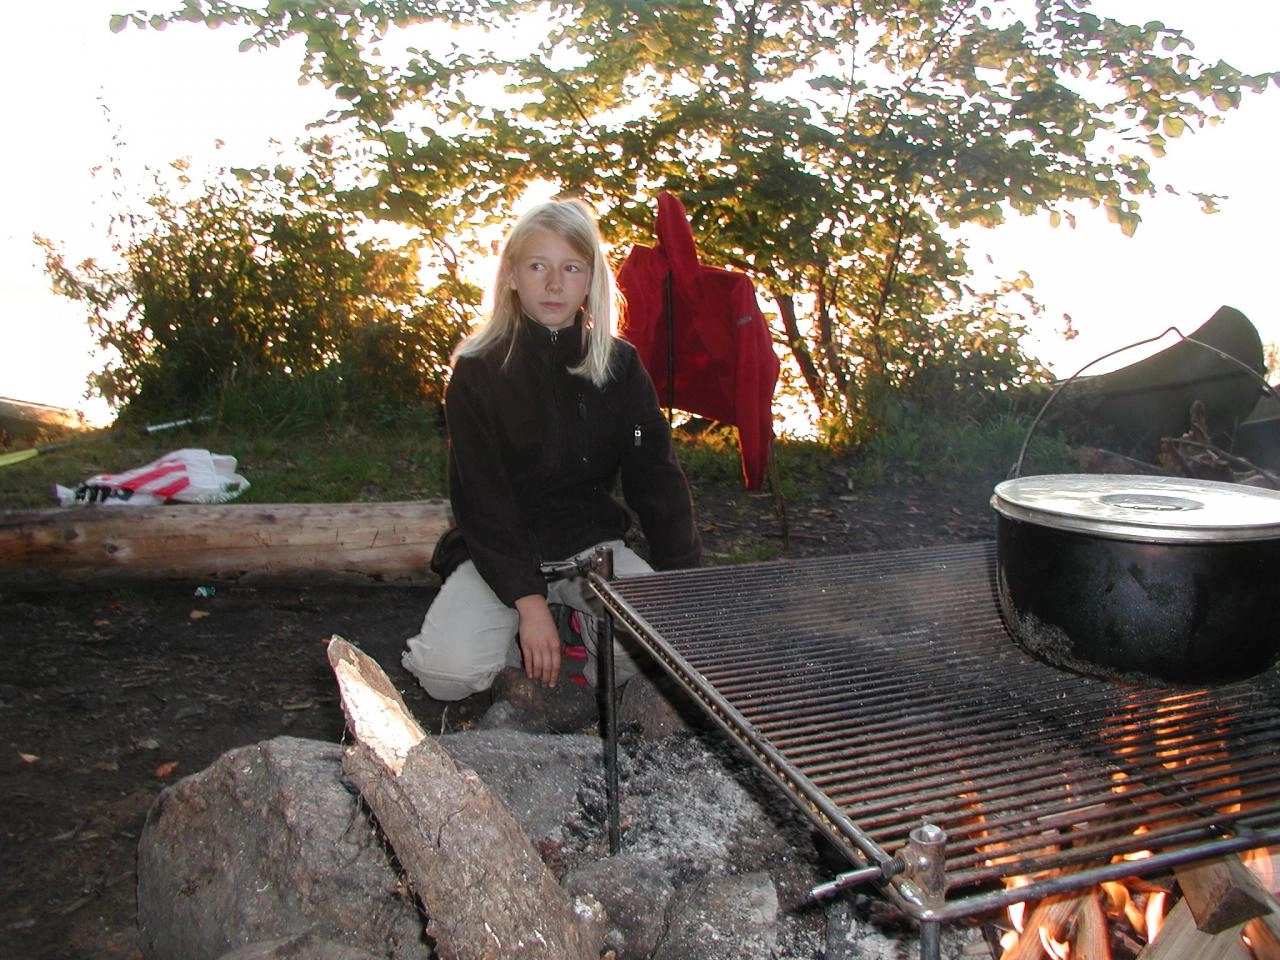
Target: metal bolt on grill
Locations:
point(883, 693)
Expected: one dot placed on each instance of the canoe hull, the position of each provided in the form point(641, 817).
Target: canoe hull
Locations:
point(1132, 409)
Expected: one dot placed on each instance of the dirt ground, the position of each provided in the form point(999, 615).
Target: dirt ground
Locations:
point(108, 695)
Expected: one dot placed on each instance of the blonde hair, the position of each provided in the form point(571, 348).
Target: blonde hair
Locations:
point(573, 222)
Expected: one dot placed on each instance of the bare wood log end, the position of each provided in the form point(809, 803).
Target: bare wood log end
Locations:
point(1222, 893)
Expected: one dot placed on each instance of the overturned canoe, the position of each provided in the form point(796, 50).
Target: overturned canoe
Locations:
point(28, 422)
point(1131, 409)
point(372, 543)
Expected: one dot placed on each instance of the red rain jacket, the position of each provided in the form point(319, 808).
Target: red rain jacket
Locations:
point(725, 367)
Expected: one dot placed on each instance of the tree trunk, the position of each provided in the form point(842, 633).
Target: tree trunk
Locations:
point(800, 350)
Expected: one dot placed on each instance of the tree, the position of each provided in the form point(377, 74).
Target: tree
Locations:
point(257, 278)
point(825, 149)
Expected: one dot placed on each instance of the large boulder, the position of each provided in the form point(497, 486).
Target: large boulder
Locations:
point(268, 843)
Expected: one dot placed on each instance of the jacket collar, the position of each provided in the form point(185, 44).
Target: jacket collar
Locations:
point(565, 344)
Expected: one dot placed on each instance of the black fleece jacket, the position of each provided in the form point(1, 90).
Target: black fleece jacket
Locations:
point(535, 453)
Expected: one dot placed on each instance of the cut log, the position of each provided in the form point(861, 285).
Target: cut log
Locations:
point(1092, 939)
point(486, 891)
point(1223, 893)
point(305, 543)
point(1180, 940)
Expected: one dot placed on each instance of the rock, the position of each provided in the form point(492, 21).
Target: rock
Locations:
point(565, 708)
point(267, 844)
point(304, 947)
point(657, 706)
point(723, 918)
point(635, 892)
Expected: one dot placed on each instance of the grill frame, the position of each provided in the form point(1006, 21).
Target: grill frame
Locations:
point(920, 620)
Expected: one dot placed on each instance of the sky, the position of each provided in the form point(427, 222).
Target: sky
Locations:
point(73, 86)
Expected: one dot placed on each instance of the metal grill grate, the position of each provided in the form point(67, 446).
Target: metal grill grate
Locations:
point(883, 692)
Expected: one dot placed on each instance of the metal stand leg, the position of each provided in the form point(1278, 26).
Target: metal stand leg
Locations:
point(930, 940)
point(926, 864)
point(609, 717)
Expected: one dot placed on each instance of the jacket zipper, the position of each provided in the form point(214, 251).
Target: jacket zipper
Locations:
point(636, 434)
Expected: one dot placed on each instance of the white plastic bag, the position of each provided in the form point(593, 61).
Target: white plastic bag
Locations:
point(183, 476)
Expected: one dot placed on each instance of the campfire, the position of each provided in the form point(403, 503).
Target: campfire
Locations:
point(1219, 909)
point(1123, 918)
point(883, 692)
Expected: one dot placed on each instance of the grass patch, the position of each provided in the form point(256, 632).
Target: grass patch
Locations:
point(938, 451)
point(404, 458)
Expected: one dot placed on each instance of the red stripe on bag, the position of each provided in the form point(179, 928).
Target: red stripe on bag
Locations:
point(163, 469)
point(177, 486)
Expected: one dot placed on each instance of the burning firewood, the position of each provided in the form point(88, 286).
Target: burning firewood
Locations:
point(1092, 937)
point(1263, 935)
point(1054, 918)
point(487, 893)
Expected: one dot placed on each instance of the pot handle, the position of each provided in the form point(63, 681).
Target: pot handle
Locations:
point(1026, 442)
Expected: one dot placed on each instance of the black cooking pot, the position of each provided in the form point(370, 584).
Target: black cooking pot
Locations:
point(1157, 577)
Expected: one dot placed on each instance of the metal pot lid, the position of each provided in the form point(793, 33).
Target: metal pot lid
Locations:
point(1142, 507)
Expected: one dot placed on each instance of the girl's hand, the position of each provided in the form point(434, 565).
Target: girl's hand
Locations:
point(539, 640)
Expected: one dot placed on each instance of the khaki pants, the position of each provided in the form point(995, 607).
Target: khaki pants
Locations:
point(469, 635)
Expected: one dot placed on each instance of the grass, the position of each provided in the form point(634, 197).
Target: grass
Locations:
point(343, 465)
point(405, 459)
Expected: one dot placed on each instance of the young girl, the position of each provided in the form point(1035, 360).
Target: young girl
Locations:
point(545, 410)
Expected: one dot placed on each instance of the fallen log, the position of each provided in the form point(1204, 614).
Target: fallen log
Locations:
point(486, 891)
point(371, 543)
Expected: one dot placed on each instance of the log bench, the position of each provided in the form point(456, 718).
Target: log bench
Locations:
point(356, 543)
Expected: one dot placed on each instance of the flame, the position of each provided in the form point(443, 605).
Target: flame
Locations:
point(1155, 914)
point(1056, 949)
point(1263, 863)
point(1017, 914)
